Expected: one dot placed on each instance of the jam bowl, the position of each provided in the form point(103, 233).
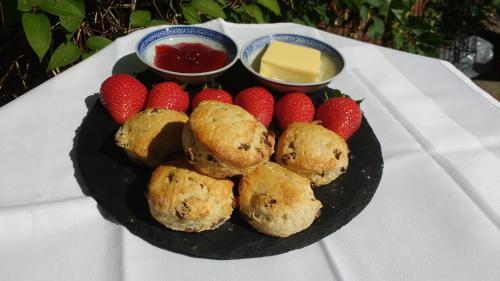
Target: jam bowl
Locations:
point(187, 54)
point(332, 62)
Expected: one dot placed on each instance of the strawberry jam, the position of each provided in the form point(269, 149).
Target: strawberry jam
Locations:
point(189, 57)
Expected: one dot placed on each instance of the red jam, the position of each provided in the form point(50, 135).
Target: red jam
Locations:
point(189, 57)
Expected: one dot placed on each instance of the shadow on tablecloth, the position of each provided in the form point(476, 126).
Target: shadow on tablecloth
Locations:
point(89, 102)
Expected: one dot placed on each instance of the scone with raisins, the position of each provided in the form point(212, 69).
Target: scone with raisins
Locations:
point(223, 140)
point(182, 199)
point(277, 201)
point(152, 135)
point(312, 151)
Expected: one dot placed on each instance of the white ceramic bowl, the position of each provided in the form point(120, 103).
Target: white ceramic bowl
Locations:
point(145, 50)
point(252, 52)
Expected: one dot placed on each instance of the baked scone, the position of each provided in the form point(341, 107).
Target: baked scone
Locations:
point(223, 140)
point(152, 135)
point(312, 151)
point(277, 201)
point(182, 199)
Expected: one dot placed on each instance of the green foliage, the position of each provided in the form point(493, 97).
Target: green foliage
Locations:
point(24, 5)
point(64, 55)
point(272, 5)
point(37, 30)
point(191, 14)
point(62, 7)
point(140, 18)
point(376, 29)
point(97, 42)
point(157, 22)
point(255, 12)
point(388, 22)
point(72, 22)
point(209, 8)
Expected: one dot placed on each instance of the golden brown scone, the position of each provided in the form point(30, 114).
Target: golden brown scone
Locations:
point(152, 135)
point(223, 140)
point(312, 151)
point(277, 201)
point(182, 199)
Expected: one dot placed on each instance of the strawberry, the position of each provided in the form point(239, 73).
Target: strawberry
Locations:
point(123, 96)
point(341, 115)
point(168, 95)
point(294, 107)
point(211, 94)
point(259, 102)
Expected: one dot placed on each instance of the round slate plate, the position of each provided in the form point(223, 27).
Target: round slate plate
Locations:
point(118, 185)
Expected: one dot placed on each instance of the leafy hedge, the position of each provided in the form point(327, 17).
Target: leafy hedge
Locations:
point(62, 32)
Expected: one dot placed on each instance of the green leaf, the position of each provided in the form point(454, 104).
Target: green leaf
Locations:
point(86, 55)
point(140, 18)
point(384, 9)
point(62, 7)
point(297, 20)
point(398, 14)
point(37, 30)
point(158, 22)
point(376, 29)
point(64, 55)
point(322, 11)
point(24, 5)
point(222, 2)
point(376, 3)
point(398, 40)
point(272, 5)
point(308, 21)
point(209, 8)
point(71, 23)
point(363, 12)
point(255, 12)
point(191, 14)
point(97, 42)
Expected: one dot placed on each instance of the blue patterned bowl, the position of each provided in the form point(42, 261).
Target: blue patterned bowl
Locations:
point(145, 50)
point(331, 60)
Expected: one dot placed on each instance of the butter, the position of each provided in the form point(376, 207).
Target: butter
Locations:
point(292, 63)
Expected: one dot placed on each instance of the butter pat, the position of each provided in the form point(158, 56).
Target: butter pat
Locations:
point(292, 63)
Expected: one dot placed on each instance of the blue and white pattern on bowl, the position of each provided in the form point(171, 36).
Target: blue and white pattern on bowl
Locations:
point(253, 50)
point(175, 34)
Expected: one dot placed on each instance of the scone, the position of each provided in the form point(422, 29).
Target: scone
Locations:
point(152, 135)
point(312, 151)
point(277, 201)
point(223, 140)
point(184, 200)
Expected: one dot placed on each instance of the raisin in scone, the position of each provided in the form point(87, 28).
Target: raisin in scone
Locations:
point(223, 140)
point(182, 199)
point(277, 201)
point(152, 135)
point(312, 151)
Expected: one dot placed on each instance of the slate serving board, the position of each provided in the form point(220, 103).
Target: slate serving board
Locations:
point(118, 185)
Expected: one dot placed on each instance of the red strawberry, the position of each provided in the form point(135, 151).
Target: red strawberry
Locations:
point(123, 96)
point(259, 102)
point(341, 115)
point(294, 107)
point(168, 95)
point(211, 94)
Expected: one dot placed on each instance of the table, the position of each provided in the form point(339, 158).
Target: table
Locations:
point(435, 216)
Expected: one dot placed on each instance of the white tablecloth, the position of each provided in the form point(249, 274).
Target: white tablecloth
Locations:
point(435, 216)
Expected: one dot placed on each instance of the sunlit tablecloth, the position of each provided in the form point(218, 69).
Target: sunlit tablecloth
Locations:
point(435, 216)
